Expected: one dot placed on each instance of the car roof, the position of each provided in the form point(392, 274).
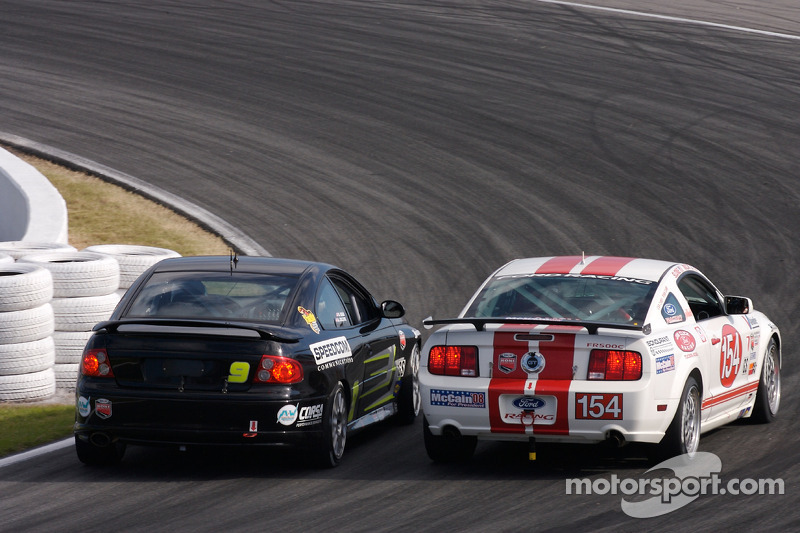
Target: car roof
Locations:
point(252, 264)
point(631, 267)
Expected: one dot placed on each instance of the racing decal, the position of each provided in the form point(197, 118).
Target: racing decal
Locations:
point(732, 394)
point(402, 336)
point(458, 398)
point(331, 353)
point(400, 365)
point(238, 372)
point(102, 408)
point(84, 406)
point(684, 340)
point(606, 266)
point(554, 360)
point(288, 415)
point(672, 312)
point(730, 357)
point(559, 265)
point(665, 363)
point(598, 406)
point(532, 362)
point(507, 362)
point(309, 317)
point(254, 426)
point(660, 346)
point(310, 415)
point(701, 333)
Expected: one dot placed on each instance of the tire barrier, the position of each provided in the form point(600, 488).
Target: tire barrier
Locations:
point(78, 274)
point(17, 249)
point(133, 260)
point(27, 322)
point(51, 296)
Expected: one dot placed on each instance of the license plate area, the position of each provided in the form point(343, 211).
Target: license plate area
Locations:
point(519, 409)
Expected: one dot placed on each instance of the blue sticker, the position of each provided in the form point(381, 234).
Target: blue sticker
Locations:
point(458, 398)
point(672, 311)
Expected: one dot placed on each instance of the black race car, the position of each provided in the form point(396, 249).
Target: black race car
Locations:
point(244, 351)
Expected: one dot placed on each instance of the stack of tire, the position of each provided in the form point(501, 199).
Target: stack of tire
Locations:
point(27, 350)
point(84, 293)
point(133, 260)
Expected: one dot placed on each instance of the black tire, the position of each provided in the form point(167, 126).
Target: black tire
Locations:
point(447, 448)
point(330, 449)
point(92, 455)
point(683, 434)
point(409, 400)
point(768, 397)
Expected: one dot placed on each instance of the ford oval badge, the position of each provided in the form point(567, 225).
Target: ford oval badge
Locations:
point(528, 403)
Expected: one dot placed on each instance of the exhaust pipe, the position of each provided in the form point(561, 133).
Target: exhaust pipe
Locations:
point(101, 440)
point(616, 438)
point(451, 432)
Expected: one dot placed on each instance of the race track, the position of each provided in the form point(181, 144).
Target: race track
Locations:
point(420, 145)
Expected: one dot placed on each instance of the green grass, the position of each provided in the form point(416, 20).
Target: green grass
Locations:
point(99, 213)
point(26, 426)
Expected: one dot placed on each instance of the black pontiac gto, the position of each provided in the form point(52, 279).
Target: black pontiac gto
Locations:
point(244, 351)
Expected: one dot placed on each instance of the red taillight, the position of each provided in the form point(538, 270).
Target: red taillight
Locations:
point(95, 363)
point(276, 369)
point(615, 365)
point(453, 361)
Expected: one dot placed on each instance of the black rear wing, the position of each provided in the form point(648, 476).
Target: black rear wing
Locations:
point(480, 323)
point(265, 332)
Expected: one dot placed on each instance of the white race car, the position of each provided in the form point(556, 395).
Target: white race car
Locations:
point(590, 349)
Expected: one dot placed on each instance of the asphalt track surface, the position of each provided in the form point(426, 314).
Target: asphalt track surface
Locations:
point(420, 145)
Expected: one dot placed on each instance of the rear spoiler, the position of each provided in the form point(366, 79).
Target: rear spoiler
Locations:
point(480, 323)
point(264, 332)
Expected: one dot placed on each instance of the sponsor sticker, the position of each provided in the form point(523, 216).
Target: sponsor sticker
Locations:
point(287, 415)
point(402, 337)
point(665, 364)
point(684, 340)
point(309, 317)
point(672, 311)
point(532, 362)
point(528, 403)
point(332, 352)
point(84, 406)
point(507, 362)
point(102, 408)
point(310, 415)
point(457, 398)
point(660, 346)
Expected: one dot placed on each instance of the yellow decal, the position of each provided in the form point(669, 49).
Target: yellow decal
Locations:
point(239, 371)
point(309, 317)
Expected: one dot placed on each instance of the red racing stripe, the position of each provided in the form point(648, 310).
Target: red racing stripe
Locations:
point(514, 383)
point(606, 266)
point(559, 265)
point(559, 357)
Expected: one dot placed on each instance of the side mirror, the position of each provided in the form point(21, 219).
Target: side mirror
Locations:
point(738, 305)
point(392, 309)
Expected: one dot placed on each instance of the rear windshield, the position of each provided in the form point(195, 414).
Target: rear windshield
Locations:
point(586, 298)
point(243, 296)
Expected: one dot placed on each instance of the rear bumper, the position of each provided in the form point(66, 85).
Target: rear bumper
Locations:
point(555, 411)
point(187, 419)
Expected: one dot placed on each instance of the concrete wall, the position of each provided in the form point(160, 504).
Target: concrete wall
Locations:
point(31, 209)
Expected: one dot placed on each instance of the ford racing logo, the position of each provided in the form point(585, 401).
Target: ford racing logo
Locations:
point(528, 403)
point(532, 362)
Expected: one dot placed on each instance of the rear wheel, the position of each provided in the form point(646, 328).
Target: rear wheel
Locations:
point(447, 448)
point(409, 399)
point(683, 434)
point(93, 455)
point(334, 429)
point(768, 397)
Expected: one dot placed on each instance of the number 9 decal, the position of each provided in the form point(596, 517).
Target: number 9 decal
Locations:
point(239, 371)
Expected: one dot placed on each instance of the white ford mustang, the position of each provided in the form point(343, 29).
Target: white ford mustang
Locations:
point(589, 349)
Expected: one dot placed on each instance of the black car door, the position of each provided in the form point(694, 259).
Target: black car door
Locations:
point(344, 305)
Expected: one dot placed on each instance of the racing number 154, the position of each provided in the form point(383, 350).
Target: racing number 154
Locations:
point(598, 406)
